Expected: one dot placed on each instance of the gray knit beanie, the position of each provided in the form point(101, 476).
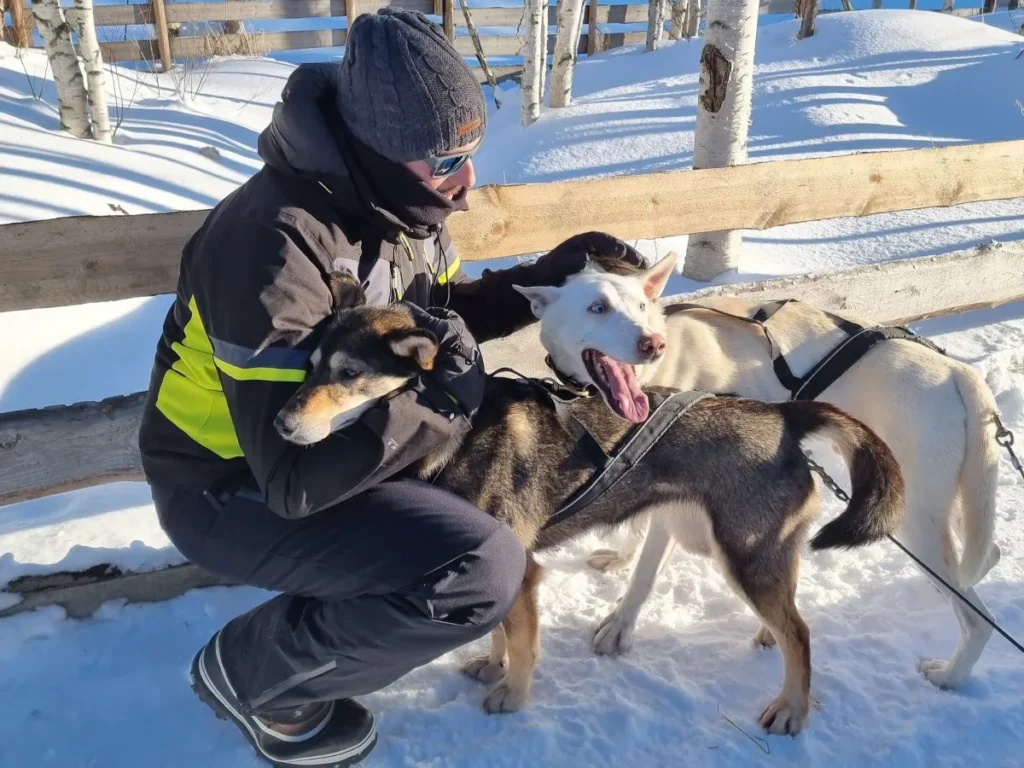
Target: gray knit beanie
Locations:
point(404, 91)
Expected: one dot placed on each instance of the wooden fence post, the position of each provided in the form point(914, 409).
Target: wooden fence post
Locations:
point(21, 35)
point(448, 17)
point(163, 38)
point(592, 29)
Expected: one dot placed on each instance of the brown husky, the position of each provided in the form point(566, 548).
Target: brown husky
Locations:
point(730, 473)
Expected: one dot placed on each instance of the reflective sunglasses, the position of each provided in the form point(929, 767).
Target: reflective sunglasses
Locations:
point(449, 164)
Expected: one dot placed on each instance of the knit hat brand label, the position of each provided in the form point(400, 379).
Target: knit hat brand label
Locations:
point(469, 127)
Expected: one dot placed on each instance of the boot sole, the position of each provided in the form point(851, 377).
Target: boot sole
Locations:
point(206, 696)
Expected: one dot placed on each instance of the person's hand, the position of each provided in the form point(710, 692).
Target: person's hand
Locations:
point(456, 382)
point(570, 257)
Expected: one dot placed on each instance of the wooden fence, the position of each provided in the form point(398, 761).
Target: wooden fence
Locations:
point(161, 24)
point(165, 18)
point(55, 449)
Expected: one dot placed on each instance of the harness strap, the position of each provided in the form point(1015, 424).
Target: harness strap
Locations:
point(665, 414)
point(845, 356)
point(596, 455)
point(827, 371)
point(782, 369)
point(560, 396)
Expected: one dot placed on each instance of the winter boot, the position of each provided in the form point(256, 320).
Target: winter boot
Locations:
point(324, 734)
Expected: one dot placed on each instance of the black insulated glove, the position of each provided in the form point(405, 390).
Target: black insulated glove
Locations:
point(570, 257)
point(456, 382)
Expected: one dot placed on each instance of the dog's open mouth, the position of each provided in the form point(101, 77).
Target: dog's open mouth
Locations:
point(617, 382)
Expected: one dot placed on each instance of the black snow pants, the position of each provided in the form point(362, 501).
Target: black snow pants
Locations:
point(370, 589)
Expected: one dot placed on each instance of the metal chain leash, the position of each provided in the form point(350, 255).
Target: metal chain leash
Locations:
point(825, 478)
point(1005, 438)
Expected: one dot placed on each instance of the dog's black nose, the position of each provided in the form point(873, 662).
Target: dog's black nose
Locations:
point(286, 424)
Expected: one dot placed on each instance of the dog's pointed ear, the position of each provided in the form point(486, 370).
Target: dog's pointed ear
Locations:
point(418, 346)
point(346, 292)
point(656, 278)
point(540, 297)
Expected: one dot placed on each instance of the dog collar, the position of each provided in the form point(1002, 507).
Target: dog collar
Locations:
point(578, 388)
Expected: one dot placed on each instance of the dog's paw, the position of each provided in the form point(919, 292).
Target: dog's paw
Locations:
point(938, 674)
point(764, 638)
point(607, 560)
point(480, 668)
point(783, 716)
point(504, 699)
point(614, 635)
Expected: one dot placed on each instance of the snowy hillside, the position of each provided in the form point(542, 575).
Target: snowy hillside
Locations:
point(112, 690)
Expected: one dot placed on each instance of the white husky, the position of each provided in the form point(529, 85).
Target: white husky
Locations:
point(934, 412)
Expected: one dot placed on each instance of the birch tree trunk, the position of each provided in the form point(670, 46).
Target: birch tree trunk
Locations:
point(723, 118)
point(567, 43)
point(678, 26)
point(810, 17)
point(480, 55)
point(655, 23)
point(67, 75)
point(692, 18)
point(848, 5)
point(534, 58)
point(947, 5)
point(93, 59)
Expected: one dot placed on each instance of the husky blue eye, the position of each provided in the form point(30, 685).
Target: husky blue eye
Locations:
point(643, 307)
point(597, 308)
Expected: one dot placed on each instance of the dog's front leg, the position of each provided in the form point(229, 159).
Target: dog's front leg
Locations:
point(522, 643)
point(490, 667)
point(615, 633)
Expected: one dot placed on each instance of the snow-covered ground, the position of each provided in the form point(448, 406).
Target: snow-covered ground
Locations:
point(112, 690)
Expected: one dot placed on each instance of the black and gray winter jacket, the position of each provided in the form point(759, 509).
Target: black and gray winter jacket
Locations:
point(253, 292)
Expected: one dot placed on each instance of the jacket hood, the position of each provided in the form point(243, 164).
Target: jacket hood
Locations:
point(307, 138)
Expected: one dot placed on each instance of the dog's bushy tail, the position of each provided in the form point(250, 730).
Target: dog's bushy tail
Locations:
point(877, 497)
point(979, 476)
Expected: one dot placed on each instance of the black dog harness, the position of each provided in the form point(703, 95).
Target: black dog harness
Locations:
point(611, 468)
point(859, 340)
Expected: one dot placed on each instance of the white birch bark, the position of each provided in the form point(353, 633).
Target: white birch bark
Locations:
point(567, 44)
point(692, 18)
point(89, 47)
point(655, 23)
point(678, 26)
point(534, 56)
point(723, 119)
point(947, 5)
point(67, 74)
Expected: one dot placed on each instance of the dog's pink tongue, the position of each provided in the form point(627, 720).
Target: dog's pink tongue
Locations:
point(626, 390)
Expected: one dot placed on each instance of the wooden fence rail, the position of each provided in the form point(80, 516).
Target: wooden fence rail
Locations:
point(53, 450)
point(117, 257)
point(255, 42)
point(50, 450)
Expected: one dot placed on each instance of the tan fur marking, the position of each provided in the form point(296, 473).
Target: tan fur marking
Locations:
point(489, 667)
point(385, 321)
point(522, 640)
point(323, 403)
point(518, 422)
